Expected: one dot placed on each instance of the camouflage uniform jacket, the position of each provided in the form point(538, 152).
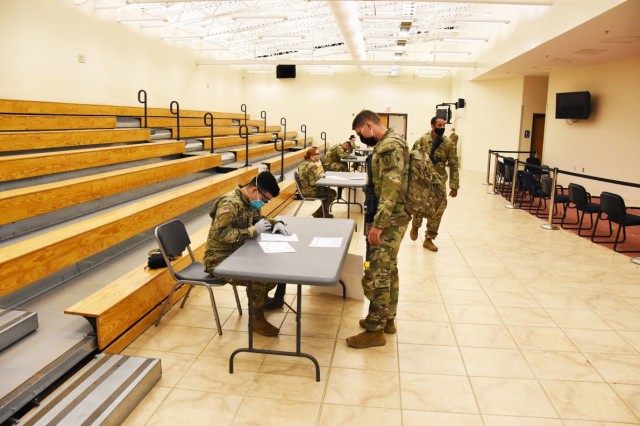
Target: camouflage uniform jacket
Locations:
point(445, 155)
point(231, 225)
point(332, 159)
point(308, 172)
point(389, 169)
point(454, 139)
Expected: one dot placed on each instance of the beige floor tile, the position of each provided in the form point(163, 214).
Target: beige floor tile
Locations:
point(430, 359)
point(483, 336)
point(174, 365)
point(223, 346)
point(321, 304)
point(415, 311)
point(502, 284)
point(418, 294)
point(425, 332)
point(466, 314)
point(433, 392)
point(559, 301)
point(604, 302)
point(630, 394)
point(632, 337)
point(211, 374)
point(279, 383)
point(333, 414)
point(519, 421)
point(511, 397)
point(367, 388)
point(541, 338)
point(545, 286)
point(312, 325)
point(452, 296)
point(491, 362)
point(197, 316)
point(382, 358)
point(577, 318)
point(617, 368)
point(588, 401)
point(420, 418)
point(624, 321)
point(145, 409)
point(536, 317)
point(189, 407)
point(561, 366)
point(513, 299)
point(601, 341)
point(460, 283)
point(179, 339)
point(320, 348)
point(280, 412)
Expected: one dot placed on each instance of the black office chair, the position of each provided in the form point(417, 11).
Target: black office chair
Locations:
point(173, 239)
point(303, 198)
point(560, 197)
point(509, 164)
point(534, 165)
point(580, 200)
point(612, 205)
point(532, 189)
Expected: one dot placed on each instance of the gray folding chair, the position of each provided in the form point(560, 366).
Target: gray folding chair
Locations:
point(173, 239)
point(303, 198)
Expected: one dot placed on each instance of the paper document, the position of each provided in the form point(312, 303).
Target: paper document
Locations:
point(278, 237)
point(325, 242)
point(358, 178)
point(334, 177)
point(276, 247)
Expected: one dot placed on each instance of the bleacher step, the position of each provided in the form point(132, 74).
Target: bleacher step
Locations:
point(105, 391)
point(14, 325)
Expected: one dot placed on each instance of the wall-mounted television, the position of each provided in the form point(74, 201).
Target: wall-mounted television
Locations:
point(573, 105)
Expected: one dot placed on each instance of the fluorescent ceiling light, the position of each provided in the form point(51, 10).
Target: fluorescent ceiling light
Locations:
point(481, 21)
point(143, 21)
point(183, 38)
point(464, 39)
point(260, 18)
point(281, 36)
point(378, 18)
point(386, 38)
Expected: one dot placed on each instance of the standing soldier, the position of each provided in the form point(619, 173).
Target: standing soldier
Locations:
point(442, 153)
point(385, 224)
point(454, 137)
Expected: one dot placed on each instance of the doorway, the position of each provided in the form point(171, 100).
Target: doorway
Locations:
point(537, 136)
point(398, 122)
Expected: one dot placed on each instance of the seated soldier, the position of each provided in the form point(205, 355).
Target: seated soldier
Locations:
point(235, 218)
point(352, 143)
point(333, 158)
point(307, 171)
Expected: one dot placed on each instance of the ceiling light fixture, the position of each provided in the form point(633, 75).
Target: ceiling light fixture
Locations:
point(451, 52)
point(481, 21)
point(260, 18)
point(143, 21)
point(283, 36)
point(464, 39)
point(181, 38)
point(379, 18)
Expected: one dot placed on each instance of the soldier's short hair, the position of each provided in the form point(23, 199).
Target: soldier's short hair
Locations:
point(434, 119)
point(266, 182)
point(365, 115)
point(310, 152)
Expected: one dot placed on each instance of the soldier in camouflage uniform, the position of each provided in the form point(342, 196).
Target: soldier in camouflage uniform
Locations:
point(352, 143)
point(235, 218)
point(385, 226)
point(454, 137)
point(443, 153)
point(332, 161)
point(308, 173)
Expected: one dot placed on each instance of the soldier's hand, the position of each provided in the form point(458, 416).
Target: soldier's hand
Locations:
point(374, 236)
point(453, 193)
point(262, 225)
point(280, 229)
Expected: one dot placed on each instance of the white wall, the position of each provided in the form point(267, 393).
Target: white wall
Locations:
point(607, 144)
point(39, 48)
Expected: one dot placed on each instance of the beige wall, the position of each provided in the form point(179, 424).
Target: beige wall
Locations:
point(607, 144)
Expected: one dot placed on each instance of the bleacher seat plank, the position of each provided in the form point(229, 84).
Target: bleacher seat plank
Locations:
point(35, 140)
point(258, 150)
point(202, 131)
point(23, 203)
point(165, 112)
point(23, 166)
point(229, 141)
point(54, 122)
point(124, 308)
point(32, 259)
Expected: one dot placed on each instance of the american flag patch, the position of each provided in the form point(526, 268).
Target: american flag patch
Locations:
point(223, 209)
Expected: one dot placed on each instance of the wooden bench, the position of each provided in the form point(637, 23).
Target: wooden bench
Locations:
point(36, 140)
point(21, 166)
point(23, 203)
point(229, 141)
point(124, 308)
point(256, 151)
point(55, 122)
point(30, 260)
point(202, 131)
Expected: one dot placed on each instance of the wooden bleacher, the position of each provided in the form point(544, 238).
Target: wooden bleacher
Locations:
point(290, 159)
point(124, 308)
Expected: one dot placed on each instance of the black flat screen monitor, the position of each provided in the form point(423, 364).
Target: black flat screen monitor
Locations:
point(573, 105)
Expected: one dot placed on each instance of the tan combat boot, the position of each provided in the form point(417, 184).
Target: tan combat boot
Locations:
point(413, 234)
point(262, 326)
point(389, 328)
point(428, 244)
point(367, 339)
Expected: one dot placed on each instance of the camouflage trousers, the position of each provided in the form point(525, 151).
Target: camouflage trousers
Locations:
point(259, 290)
point(380, 282)
point(433, 220)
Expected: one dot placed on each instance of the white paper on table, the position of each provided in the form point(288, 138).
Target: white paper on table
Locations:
point(334, 177)
point(276, 247)
point(358, 178)
point(325, 242)
point(278, 237)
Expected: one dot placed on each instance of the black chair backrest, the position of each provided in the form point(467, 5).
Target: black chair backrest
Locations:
point(532, 161)
point(578, 195)
point(296, 176)
point(546, 182)
point(173, 237)
point(501, 167)
point(613, 206)
point(528, 183)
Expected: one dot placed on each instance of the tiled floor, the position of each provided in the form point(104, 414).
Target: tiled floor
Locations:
point(507, 324)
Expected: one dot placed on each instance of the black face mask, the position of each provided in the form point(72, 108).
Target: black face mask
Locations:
point(368, 141)
point(439, 131)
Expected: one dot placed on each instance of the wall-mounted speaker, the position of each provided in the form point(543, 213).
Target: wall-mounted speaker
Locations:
point(460, 103)
point(285, 71)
